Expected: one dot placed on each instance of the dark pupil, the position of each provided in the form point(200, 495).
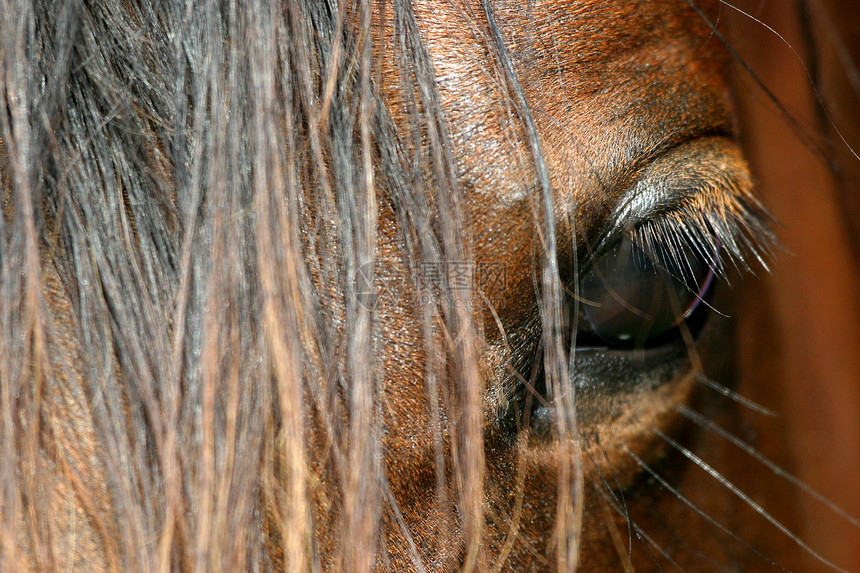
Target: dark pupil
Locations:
point(631, 294)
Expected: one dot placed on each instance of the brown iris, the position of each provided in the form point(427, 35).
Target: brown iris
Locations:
point(633, 294)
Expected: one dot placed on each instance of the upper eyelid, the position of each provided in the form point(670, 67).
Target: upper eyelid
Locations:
point(710, 165)
point(700, 191)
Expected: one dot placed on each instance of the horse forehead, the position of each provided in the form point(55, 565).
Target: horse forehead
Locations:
point(609, 83)
point(593, 33)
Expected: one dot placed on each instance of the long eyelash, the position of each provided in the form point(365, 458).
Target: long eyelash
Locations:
point(726, 228)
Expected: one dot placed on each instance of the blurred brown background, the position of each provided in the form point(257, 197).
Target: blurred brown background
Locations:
point(800, 333)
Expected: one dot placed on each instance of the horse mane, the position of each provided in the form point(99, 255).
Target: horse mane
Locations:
point(203, 182)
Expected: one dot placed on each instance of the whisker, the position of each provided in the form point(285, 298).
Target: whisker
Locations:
point(647, 540)
point(694, 507)
point(618, 500)
point(732, 395)
point(713, 427)
point(614, 499)
point(681, 541)
point(607, 505)
point(619, 504)
point(735, 490)
point(615, 535)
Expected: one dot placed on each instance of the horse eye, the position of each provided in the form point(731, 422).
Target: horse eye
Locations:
point(631, 294)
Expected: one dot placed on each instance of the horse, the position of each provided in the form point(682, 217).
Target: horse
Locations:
point(423, 285)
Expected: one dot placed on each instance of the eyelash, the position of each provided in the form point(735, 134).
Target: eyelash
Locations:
point(738, 230)
point(640, 286)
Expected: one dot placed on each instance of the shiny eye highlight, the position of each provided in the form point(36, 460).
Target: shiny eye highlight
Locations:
point(631, 295)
